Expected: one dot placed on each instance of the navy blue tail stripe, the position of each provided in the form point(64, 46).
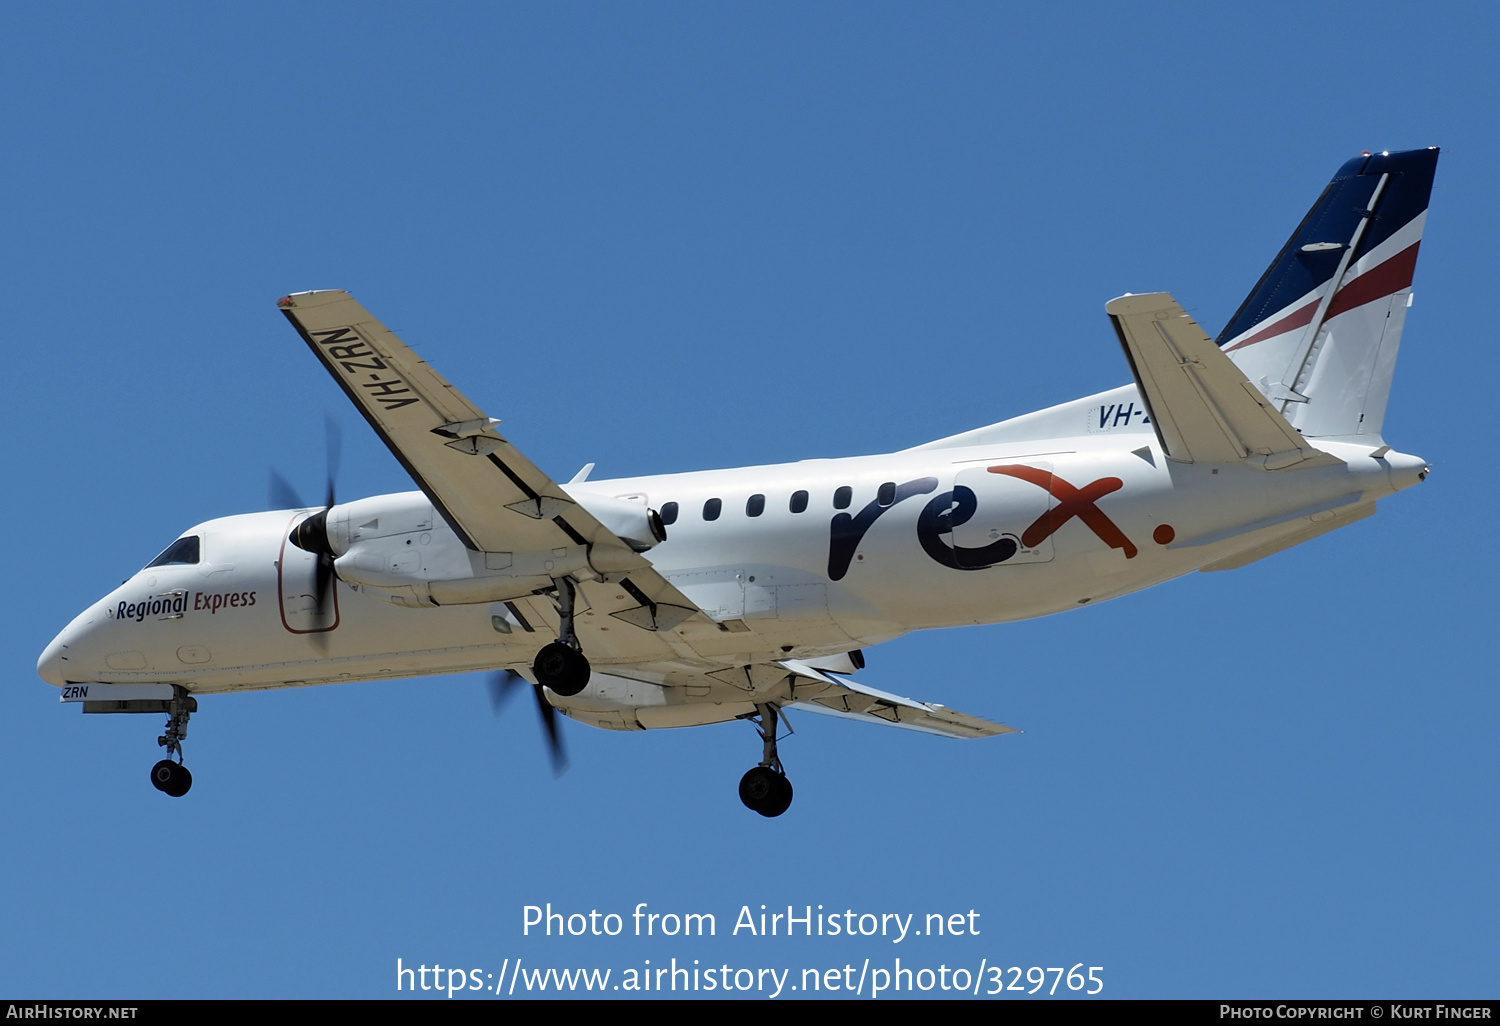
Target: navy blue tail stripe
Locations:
point(1333, 218)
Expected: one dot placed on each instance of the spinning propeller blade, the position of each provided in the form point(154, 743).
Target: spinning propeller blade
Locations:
point(333, 442)
point(502, 685)
point(311, 535)
point(283, 495)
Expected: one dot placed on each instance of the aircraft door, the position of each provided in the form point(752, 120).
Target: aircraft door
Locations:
point(991, 513)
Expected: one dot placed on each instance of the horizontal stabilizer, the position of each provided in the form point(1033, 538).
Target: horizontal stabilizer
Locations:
point(833, 694)
point(1203, 407)
point(1314, 527)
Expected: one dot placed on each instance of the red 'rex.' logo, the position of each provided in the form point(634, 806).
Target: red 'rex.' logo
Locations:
point(1071, 502)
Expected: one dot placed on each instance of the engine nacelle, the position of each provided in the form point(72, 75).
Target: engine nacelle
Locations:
point(398, 549)
point(634, 523)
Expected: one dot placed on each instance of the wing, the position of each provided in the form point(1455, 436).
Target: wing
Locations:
point(833, 694)
point(441, 438)
point(495, 499)
point(1203, 407)
point(689, 699)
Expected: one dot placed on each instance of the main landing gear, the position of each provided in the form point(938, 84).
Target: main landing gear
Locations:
point(561, 665)
point(167, 776)
point(171, 778)
point(765, 788)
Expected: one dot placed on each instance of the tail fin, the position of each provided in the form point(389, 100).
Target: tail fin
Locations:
point(1318, 334)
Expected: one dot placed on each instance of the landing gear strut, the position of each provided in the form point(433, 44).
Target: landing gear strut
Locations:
point(167, 776)
point(765, 788)
point(561, 665)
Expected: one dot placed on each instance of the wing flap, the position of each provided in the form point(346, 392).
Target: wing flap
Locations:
point(1203, 407)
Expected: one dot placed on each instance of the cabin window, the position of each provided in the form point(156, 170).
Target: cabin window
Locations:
point(755, 505)
point(712, 508)
point(799, 502)
point(182, 552)
point(668, 513)
point(887, 493)
point(842, 497)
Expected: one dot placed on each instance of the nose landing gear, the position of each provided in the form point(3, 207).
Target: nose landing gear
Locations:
point(765, 788)
point(167, 776)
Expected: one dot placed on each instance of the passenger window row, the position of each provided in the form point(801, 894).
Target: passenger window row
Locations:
point(843, 497)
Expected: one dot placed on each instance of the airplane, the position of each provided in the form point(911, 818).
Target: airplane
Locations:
point(699, 598)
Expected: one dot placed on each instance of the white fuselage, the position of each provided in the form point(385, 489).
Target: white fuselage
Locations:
point(1072, 521)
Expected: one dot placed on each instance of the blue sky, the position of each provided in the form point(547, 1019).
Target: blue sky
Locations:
point(671, 237)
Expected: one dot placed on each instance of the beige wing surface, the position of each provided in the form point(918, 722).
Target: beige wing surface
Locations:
point(493, 497)
point(1203, 407)
point(694, 698)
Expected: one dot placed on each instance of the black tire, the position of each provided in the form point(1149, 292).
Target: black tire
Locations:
point(765, 791)
point(171, 778)
point(183, 782)
point(163, 773)
point(561, 669)
point(781, 797)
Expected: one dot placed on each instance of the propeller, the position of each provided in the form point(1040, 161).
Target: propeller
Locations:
point(311, 535)
point(283, 495)
point(502, 685)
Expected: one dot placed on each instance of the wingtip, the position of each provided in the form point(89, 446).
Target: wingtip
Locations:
point(1135, 302)
point(312, 297)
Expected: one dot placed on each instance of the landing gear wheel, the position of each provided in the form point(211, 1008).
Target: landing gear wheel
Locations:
point(765, 791)
point(171, 778)
point(781, 798)
point(563, 669)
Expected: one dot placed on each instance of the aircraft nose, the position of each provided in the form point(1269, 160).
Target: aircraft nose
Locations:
point(50, 665)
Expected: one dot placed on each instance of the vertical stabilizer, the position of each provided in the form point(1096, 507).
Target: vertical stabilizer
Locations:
point(1318, 334)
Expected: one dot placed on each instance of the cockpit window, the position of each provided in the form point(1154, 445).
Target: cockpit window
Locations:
point(182, 552)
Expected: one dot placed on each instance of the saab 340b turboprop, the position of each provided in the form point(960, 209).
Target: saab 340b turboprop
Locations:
point(689, 599)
